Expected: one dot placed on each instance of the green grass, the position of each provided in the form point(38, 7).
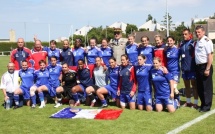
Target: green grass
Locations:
point(26, 120)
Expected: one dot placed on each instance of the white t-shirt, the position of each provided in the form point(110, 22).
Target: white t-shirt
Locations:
point(202, 49)
point(10, 82)
point(100, 76)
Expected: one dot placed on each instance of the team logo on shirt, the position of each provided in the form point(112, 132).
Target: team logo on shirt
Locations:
point(153, 75)
point(69, 53)
point(17, 55)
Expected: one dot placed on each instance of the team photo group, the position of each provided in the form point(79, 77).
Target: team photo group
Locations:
point(137, 76)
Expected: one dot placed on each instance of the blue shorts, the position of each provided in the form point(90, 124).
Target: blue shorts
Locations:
point(125, 98)
point(112, 91)
point(187, 75)
point(144, 98)
point(164, 101)
point(25, 92)
point(175, 76)
point(83, 88)
point(51, 90)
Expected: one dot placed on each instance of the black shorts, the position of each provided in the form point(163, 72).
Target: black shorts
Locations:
point(67, 92)
point(95, 87)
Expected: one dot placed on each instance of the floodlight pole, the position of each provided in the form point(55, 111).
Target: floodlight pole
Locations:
point(167, 19)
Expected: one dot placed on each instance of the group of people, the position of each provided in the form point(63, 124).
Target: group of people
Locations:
point(139, 75)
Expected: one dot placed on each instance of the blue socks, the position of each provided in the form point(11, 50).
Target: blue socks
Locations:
point(16, 99)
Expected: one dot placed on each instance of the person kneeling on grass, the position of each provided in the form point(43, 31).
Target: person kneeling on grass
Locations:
point(99, 73)
point(127, 83)
point(68, 82)
point(164, 86)
point(110, 89)
point(41, 84)
point(26, 75)
point(85, 80)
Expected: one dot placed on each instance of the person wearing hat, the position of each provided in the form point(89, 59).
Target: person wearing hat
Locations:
point(118, 45)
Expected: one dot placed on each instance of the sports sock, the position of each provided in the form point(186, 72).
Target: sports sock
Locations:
point(104, 101)
point(58, 97)
point(91, 96)
point(33, 99)
point(196, 101)
point(188, 100)
point(16, 99)
point(41, 96)
point(75, 97)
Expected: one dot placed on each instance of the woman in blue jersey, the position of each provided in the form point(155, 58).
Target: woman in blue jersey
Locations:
point(144, 97)
point(131, 50)
point(26, 75)
point(41, 77)
point(127, 83)
point(146, 49)
point(107, 52)
point(172, 56)
point(85, 80)
point(99, 75)
point(53, 51)
point(78, 53)
point(164, 87)
point(111, 88)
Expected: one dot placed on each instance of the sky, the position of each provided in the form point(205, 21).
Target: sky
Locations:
point(63, 17)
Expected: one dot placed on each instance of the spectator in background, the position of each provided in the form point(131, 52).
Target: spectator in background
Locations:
point(118, 45)
point(9, 82)
point(20, 54)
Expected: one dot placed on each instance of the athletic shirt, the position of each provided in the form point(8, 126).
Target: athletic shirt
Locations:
point(159, 52)
point(161, 83)
point(113, 76)
point(67, 56)
point(147, 51)
point(37, 56)
point(132, 52)
point(69, 79)
point(92, 53)
point(127, 80)
point(27, 77)
point(84, 77)
point(172, 55)
point(100, 76)
point(143, 77)
point(107, 53)
point(187, 62)
point(54, 74)
point(41, 77)
point(78, 54)
point(53, 52)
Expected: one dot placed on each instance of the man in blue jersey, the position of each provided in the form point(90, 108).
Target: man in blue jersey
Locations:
point(188, 68)
point(66, 53)
point(27, 77)
point(131, 50)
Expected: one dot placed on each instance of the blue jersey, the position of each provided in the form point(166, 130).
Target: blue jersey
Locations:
point(41, 77)
point(78, 54)
point(113, 76)
point(147, 51)
point(92, 54)
point(27, 77)
point(85, 77)
point(132, 52)
point(143, 77)
point(53, 52)
point(187, 56)
point(172, 55)
point(54, 74)
point(127, 80)
point(107, 53)
point(161, 83)
point(67, 56)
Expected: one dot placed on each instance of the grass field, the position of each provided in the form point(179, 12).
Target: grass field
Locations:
point(26, 120)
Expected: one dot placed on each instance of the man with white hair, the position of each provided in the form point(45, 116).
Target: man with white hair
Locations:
point(9, 82)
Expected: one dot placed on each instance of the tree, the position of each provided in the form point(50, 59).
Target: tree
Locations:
point(76, 37)
point(142, 29)
point(154, 21)
point(130, 28)
point(170, 24)
point(177, 33)
point(149, 17)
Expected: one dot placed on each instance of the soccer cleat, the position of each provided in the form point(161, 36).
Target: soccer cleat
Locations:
point(104, 106)
point(57, 105)
point(42, 105)
point(195, 106)
point(33, 106)
point(15, 107)
point(187, 105)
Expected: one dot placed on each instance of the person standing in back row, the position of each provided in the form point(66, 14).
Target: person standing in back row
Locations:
point(204, 69)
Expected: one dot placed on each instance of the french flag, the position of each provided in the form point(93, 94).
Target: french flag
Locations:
point(102, 114)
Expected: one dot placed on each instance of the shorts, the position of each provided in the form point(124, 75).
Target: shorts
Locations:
point(126, 98)
point(175, 75)
point(67, 92)
point(187, 75)
point(164, 101)
point(144, 98)
point(51, 90)
point(83, 88)
point(95, 87)
point(25, 92)
point(112, 91)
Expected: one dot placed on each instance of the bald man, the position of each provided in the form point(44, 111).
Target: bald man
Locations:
point(9, 82)
point(20, 54)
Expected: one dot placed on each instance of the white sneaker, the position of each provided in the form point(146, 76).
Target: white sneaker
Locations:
point(42, 105)
point(57, 105)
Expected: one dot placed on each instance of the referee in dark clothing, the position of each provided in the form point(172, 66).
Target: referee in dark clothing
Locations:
point(204, 69)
